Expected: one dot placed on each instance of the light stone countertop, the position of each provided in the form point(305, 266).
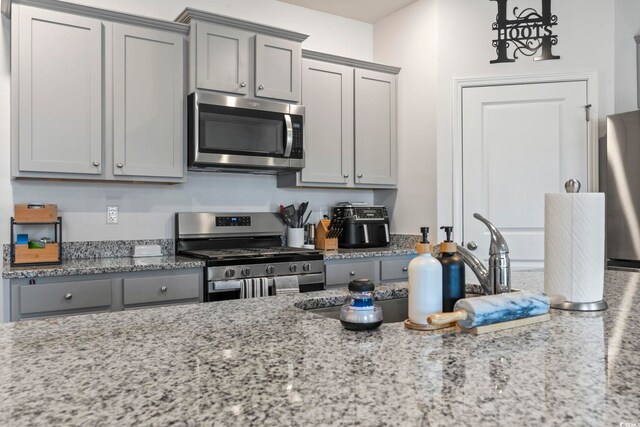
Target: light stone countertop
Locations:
point(72, 267)
point(266, 362)
point(369, 252)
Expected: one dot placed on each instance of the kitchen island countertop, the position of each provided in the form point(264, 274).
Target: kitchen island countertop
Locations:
point(369, 252)
point(267, 362)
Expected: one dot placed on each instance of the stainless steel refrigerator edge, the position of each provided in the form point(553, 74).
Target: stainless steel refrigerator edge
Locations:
point(622, 188)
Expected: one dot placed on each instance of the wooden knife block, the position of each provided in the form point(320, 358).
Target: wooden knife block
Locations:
point(322, 242)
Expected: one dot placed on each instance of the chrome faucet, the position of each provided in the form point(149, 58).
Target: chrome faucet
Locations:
point(497, 278)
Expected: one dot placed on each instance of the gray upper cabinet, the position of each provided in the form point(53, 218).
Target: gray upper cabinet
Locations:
point(60, 103)
point(222, 58)
point(277, 68)
point(327, 94)
point(148, 85)
point(350, 124)
point(375, 124)
point(243, 58)
point(96, 94)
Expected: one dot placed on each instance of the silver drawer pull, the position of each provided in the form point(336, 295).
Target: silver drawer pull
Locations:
point(68, 296)
point(405, 269)
point(120, 165)
point(243, 84)
point(261, 87)
point(96, 164)
point(353, 273)
point(163, 289)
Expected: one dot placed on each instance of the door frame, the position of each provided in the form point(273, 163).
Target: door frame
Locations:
point(590, 77)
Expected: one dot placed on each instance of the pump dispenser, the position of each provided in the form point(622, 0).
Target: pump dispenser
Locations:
point(425, 283)
point(453, 281)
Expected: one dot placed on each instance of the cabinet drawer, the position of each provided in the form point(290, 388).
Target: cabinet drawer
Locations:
point(394, 269)
point(341, 274)
point(65, 296)
point(161, 288)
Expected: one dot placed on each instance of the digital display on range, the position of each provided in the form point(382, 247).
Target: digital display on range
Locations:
point(233, 221)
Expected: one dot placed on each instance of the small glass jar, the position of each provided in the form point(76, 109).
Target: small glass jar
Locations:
point(361, 313)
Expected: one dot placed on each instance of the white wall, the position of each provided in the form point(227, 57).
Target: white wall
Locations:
point(627, 25)
point(463, 49)
point(146, 211)
point(408, 39)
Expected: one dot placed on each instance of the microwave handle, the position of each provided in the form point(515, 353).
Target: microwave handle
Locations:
point(287, 148)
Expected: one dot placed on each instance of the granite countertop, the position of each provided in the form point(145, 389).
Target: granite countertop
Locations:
point(266, 362)
point(369, 252)
point(101, 265)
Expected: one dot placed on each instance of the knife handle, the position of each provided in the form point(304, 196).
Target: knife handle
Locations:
point(444, 318)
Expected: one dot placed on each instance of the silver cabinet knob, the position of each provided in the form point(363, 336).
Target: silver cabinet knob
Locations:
point(243, 84)
point(472, 246)
point(346, 175)
point(353, 273)
point(68, 296)
point(261, 87)
point(163, 289)
point(96, 164)
point(246, 271)
point(405, 269)
point(359, 175)
point(120, 165)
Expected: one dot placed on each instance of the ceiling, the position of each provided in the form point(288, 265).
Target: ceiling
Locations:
point(362, 10)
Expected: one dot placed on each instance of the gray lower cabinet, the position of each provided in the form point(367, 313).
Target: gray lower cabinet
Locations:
point(154, 290)
point(96, 95)
point(339, 273)
point(350, 124)
point(67, 295)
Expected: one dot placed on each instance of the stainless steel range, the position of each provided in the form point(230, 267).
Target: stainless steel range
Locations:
point(241, 246)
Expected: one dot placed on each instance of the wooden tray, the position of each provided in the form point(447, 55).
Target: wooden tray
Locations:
point(48, 254)
point(46, 214)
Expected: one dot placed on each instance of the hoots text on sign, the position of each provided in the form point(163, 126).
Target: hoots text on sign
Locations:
point(529, 33)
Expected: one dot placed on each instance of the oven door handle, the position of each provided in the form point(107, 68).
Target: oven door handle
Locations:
point(289, 141)
point(365, 230)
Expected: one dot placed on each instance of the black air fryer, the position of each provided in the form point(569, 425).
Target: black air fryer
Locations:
point(363, 226)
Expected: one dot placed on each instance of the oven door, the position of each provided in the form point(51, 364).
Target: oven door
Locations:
point(226, 289)
point(228, 132)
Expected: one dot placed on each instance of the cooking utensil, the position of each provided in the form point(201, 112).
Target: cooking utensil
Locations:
point(306, 220)
point(290, 211)
point(301, 211)
point(285, 218)
point(473, 313)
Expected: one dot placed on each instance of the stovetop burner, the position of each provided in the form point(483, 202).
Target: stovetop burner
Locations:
point(241, 253)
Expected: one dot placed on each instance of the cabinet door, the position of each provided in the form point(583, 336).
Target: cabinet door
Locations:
point(60, 92)
point(278, 64)
point(222, 58)
point(375, 128)
point(148, 84)
point(327, 94)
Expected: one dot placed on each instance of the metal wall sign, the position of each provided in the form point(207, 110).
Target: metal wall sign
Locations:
point(526, 34)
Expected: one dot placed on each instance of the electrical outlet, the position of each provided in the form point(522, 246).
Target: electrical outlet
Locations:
point(112, 214)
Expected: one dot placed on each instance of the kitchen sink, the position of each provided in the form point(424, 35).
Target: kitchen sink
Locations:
point(393, 310)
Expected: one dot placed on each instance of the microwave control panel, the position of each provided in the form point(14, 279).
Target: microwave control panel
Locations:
point(296, 147)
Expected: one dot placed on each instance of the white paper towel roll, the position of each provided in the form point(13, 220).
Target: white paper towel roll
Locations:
point(574, 246)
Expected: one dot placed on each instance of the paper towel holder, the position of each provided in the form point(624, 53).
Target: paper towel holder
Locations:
point(573, 186)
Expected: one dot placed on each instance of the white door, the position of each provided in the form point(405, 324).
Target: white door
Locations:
point(520, 142)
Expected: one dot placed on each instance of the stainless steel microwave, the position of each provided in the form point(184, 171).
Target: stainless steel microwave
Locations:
point(237, 134)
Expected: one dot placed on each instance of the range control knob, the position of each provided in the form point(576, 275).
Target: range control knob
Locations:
point(270, 269)
point(246, 271)
point(306, 266)
point(293, 268)
point(230, 272)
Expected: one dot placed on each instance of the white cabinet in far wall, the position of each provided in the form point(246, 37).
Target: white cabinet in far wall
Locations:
point(96, 94)
point(350, 124)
